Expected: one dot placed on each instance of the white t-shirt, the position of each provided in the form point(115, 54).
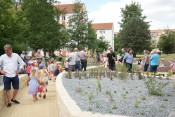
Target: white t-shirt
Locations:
point(51, 67)
point(10, 64)
point(72, 58)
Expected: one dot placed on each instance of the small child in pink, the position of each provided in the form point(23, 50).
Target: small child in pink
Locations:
point(29, 68)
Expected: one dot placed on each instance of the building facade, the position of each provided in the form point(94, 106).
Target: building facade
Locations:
point(68, 12)
point(155, 35)
point(105, 31)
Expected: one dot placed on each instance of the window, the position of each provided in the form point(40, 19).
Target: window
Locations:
point(102, 31)
point(102, 37)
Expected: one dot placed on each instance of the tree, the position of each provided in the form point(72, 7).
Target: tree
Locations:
point(167, 42)
point(43, 30)
point(80, 30)
point(117, 43)
point(134, 31)
point(10, 27)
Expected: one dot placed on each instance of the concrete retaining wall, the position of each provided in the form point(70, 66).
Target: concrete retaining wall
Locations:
point(22, 82)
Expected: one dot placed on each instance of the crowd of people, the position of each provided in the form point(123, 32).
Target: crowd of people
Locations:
point(38, 70)
point(41, 71)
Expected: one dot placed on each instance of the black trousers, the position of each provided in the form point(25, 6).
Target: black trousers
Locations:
point(112, 66)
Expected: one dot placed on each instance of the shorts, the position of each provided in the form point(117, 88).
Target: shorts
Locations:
point(146, 67)
point(7, 82)
point(56, 72)
point(153, 68)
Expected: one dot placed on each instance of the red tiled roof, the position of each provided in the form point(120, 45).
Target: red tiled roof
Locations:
point(68, 7)
point(102, 26)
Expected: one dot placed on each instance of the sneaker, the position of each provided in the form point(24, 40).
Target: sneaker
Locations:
point(15, 101)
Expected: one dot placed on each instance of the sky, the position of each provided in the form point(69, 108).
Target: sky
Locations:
point(160, 13)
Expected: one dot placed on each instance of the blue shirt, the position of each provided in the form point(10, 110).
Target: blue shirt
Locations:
point(155, 59)
point(129, 58)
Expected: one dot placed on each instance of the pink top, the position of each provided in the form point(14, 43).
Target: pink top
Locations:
point(28, 68)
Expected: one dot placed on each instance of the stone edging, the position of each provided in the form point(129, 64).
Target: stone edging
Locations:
point(68, 107)
point(22, 82)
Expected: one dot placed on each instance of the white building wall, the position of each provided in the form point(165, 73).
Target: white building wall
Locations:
point(107, 35)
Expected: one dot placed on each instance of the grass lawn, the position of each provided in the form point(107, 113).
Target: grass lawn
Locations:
point(166, 57)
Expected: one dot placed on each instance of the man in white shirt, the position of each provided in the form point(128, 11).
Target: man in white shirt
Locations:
point(72, 60)
point(10, 71)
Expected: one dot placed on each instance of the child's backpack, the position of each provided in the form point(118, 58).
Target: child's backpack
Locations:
point(173, 67)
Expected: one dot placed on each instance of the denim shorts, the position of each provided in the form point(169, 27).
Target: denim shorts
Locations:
point(153, 68)
point(146, 67)
point(7, 82)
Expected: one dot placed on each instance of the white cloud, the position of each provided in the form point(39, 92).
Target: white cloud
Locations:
point(161, 13)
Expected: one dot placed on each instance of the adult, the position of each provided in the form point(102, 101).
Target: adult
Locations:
point(10, 62)
point(129, 59)
point(145, 61)
point(72, 59)
point(83, 57)
point(123, 54)
point(111, 59)
point(98, 57)
point(22, 55)
point(154, 61)
point(60, 56)
point(39, 57)
point(77, 65)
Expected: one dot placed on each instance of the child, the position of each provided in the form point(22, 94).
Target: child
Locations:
point(56, 72)
point(51, 70)
point(43, 62)
point(43, 79)
point(161, 65)
point(139, 66)
point(66, 65)
point(172, 66)
point(33, 84)
point(105, 61)
point(29, 68)
point(36, 66)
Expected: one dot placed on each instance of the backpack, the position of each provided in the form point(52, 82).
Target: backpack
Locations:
point(173, 67)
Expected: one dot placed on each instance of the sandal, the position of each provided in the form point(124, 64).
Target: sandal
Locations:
point(15, 101)
point(44, 96)
point(9, 105)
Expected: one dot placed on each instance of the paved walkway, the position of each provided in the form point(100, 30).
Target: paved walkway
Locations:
point(41, 108)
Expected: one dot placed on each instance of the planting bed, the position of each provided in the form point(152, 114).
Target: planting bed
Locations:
point(128, 97)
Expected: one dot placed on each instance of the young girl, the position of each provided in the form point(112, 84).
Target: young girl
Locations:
point(36, 66)
point(139, 65)
point(33, 84)
point(66, 65)
point(51, 69)
point(105, 61)
point(172, 66)
point(43, 79)
point(29, 68)
point(161, 65)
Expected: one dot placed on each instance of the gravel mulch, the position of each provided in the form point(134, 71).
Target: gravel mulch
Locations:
point(129, 97)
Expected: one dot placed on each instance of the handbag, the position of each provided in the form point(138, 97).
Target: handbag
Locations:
point(40, 88)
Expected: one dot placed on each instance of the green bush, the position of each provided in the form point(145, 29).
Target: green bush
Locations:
point(154, 87)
